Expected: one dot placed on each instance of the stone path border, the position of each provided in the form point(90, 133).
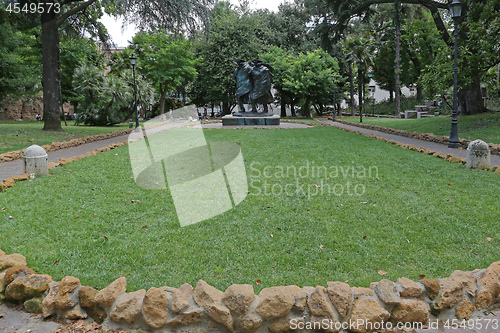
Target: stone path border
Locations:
point(54, 146)
point(430, 148)
point(464, 143)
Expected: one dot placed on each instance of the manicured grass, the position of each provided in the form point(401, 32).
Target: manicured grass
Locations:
point(19, 135)
point(482, 126)
point(419, 215)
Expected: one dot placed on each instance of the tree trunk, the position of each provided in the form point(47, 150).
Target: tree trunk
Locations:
point(470, 99)
point(420, 92)
point(225, 108)
point(50, 76)
point(360, 90)
point(391, 95)
point(292, 109)
point(351, 90)
point(163, 95)
point(306, 112)
point(283, 104)
point(397, 69)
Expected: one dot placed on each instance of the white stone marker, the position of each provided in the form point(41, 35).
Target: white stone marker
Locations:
point(478, 154)
point(36, 161)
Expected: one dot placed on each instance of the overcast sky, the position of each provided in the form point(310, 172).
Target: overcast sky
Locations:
point(121, 37)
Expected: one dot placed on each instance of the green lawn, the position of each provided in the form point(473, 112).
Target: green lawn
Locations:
point(484, 126)
point(19, 135)
point(415, 215)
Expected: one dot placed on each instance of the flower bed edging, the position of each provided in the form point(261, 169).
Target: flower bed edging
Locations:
point(462, 295)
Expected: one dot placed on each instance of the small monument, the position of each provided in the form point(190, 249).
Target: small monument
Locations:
point(36, 161)
point(253, 86)
point(478, 155)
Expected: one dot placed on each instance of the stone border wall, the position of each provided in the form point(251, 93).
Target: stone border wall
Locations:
point(495, 148)
point(462, 295)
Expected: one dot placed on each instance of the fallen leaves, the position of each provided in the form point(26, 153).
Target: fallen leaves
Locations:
point(382, 273)
point(488, 239)
point(321, 247)
point(421, 276)
point(257, 282)
point(4, 208)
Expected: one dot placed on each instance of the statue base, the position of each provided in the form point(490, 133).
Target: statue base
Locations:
point(255, 119)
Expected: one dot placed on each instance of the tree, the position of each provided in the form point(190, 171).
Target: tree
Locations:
point(290, 28)
point(421, 43)
point(171, 14)
point(310, 77)
point(107, 99)
point(281, 61)
point(233, 35)
point(397, 58)
point(167, 62)
point(19, 56)
point(479, 21)
point(75, 53)
point(360, 51)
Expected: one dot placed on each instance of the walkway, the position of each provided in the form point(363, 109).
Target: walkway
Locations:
point(495, 159)
point(16, 168)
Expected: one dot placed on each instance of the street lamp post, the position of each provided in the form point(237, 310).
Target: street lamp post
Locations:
point(455, 11)
point(133, 60)
point(334, 102)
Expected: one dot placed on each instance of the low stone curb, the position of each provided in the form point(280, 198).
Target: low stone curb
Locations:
point(385, 304)
point(495, 148)
point(54, 146)
point(448, 157)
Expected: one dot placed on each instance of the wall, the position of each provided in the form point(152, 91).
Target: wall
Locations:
point(462, 295)
point(25, 109)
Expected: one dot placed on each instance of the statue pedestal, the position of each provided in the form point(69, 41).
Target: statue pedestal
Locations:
point(230, 120)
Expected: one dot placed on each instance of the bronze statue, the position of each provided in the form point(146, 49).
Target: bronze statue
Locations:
point(242, 75)
point(253, 85)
